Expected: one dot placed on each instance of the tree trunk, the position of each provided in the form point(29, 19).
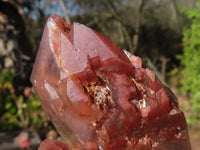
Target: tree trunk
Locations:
point(137, 27)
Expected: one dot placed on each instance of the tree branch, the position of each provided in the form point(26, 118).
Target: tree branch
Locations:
point(121, 22)
point(155, 70)
point(137, 27)
point(164, 61)
point(64, 8)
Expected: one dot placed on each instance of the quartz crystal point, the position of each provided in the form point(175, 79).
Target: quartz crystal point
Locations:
point(98, 98)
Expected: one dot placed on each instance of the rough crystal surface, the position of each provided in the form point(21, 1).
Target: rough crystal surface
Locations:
point(49, 144)
point(98, 98)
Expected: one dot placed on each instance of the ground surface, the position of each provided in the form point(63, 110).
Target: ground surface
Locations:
point(194, 131)
point(194, 138)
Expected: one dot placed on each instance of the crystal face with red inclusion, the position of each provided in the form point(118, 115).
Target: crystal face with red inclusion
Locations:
point(98, 98)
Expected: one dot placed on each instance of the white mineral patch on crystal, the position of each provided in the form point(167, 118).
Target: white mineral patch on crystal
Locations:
point(152, 92)
point(144, 103)
point(51, 91)
point(35, 82)
point(51, 26)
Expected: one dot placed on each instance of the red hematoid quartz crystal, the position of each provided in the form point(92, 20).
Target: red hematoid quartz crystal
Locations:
point(98, 98)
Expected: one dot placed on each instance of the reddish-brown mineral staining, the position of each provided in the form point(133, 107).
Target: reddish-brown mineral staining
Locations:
point(98, 98)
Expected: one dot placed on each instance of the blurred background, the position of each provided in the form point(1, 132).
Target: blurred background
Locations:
point(164, 33)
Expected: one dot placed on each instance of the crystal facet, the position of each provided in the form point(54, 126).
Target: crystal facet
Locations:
point(49, 144)
point(98, 98)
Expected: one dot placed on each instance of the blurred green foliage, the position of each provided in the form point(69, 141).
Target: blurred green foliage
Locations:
point(191, 61)
point(6, 77)
point(22, 111)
